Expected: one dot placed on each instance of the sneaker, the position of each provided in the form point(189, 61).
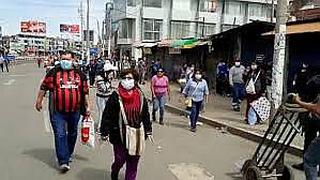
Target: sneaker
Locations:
point(64, 168)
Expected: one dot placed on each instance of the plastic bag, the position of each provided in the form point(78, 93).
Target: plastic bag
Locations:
point(87, 132)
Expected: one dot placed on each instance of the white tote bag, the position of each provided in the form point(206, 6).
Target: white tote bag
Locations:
point(250, 88)
point(262, 106)
point(135, 137)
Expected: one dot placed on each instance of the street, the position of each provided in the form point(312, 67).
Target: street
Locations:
point(27, 149)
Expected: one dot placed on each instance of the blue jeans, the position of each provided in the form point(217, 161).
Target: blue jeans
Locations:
point(65, 142)
point(195, 110)
point(312, 159)
point(159, 103)
point(238, 94)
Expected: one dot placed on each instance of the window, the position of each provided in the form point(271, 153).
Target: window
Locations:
point(235, 8)
point(131, 2)
point(152, 3)
point(207, 29)
point(126, 28)
point(208, 5)
point(179, 29)
point(152, 29)
point(258, 10)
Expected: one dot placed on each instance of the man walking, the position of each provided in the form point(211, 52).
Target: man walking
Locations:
point(70, 92)
point(237, 83)
point(160, 91)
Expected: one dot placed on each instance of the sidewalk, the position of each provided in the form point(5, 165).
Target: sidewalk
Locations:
point(219, 113)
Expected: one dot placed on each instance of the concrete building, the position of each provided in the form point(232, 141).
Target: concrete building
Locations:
point(145, 22)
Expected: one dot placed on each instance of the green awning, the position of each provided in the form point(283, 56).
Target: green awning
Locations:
point(183, 42)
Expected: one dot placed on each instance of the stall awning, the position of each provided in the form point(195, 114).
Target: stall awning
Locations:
point(148, 45)
point(310, 27)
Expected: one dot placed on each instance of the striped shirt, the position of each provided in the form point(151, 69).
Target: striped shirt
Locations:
point(68, 88)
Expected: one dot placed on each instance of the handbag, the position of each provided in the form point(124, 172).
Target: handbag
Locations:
point(135, 137)
point(250, 88)
point(188, 101)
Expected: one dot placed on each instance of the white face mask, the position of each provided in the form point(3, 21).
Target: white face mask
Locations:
point(198, 76)
point(237, 63)
point(128, 84)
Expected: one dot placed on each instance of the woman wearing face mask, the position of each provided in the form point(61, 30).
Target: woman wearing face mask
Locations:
point(125, 107)
point(160, 89)
point(197, 90)
point(257, 77)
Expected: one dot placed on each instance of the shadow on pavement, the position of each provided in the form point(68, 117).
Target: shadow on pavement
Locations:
point(44, 155)
point(235, 175)
point(94, 174)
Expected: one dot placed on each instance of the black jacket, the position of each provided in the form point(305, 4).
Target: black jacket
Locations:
point(110, 119)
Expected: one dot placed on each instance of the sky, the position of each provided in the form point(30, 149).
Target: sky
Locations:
point(53, 12)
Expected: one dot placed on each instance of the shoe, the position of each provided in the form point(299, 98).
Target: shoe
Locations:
point(193, 130)
point(298, 166)
point(161, 123)
point(114, 176)
point(64, 168)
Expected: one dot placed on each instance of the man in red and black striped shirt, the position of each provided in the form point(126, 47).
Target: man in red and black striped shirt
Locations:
point(69, 89)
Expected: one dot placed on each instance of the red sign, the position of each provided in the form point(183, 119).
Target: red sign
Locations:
point(33, 27)
point(66, 28)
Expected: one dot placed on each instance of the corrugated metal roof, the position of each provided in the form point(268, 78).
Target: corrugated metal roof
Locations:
point(310, 27)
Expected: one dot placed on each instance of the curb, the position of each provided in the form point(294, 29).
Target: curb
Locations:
point(252, 136)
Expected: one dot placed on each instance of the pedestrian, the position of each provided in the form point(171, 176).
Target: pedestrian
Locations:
point(190, 72)
point(311, 156)
point(305, 87)
point(6, 63)
point(236, 81)
point(197, 92)
point(70, 99)
point(130, 102)
point(104, 90)
point(39, 62)
point(154, 67)
point(222, 79)
point(255, 86)
point(160, 90)
point(92, 72)
point(1, 61)
point(142, 69)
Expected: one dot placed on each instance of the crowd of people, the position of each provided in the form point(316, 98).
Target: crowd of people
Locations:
point(123, 115)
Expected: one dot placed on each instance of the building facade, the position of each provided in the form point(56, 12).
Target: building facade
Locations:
point(144, 22)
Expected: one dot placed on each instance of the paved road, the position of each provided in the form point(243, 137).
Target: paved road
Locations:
point(27, 149)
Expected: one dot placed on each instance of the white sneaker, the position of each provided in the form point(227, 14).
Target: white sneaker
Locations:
point(64, 168)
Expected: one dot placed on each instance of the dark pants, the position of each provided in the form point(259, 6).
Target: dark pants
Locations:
point(238, 94)
point(223, 87)
point(195, 110)
point(312, 159)
point(91, 79)
point(1, 65)
point(121, 156)
point(6, 64)
point(65, 142)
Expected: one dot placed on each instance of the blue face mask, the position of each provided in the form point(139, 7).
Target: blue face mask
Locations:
point(66, 64)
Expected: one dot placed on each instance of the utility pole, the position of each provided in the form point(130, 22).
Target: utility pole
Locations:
point(109, 7)
point(272, 11)
point(81, 30)
point(88, 34)
point(279, 58)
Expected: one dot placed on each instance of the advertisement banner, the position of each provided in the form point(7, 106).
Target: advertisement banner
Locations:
point(69, 28)
point(33, 27)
